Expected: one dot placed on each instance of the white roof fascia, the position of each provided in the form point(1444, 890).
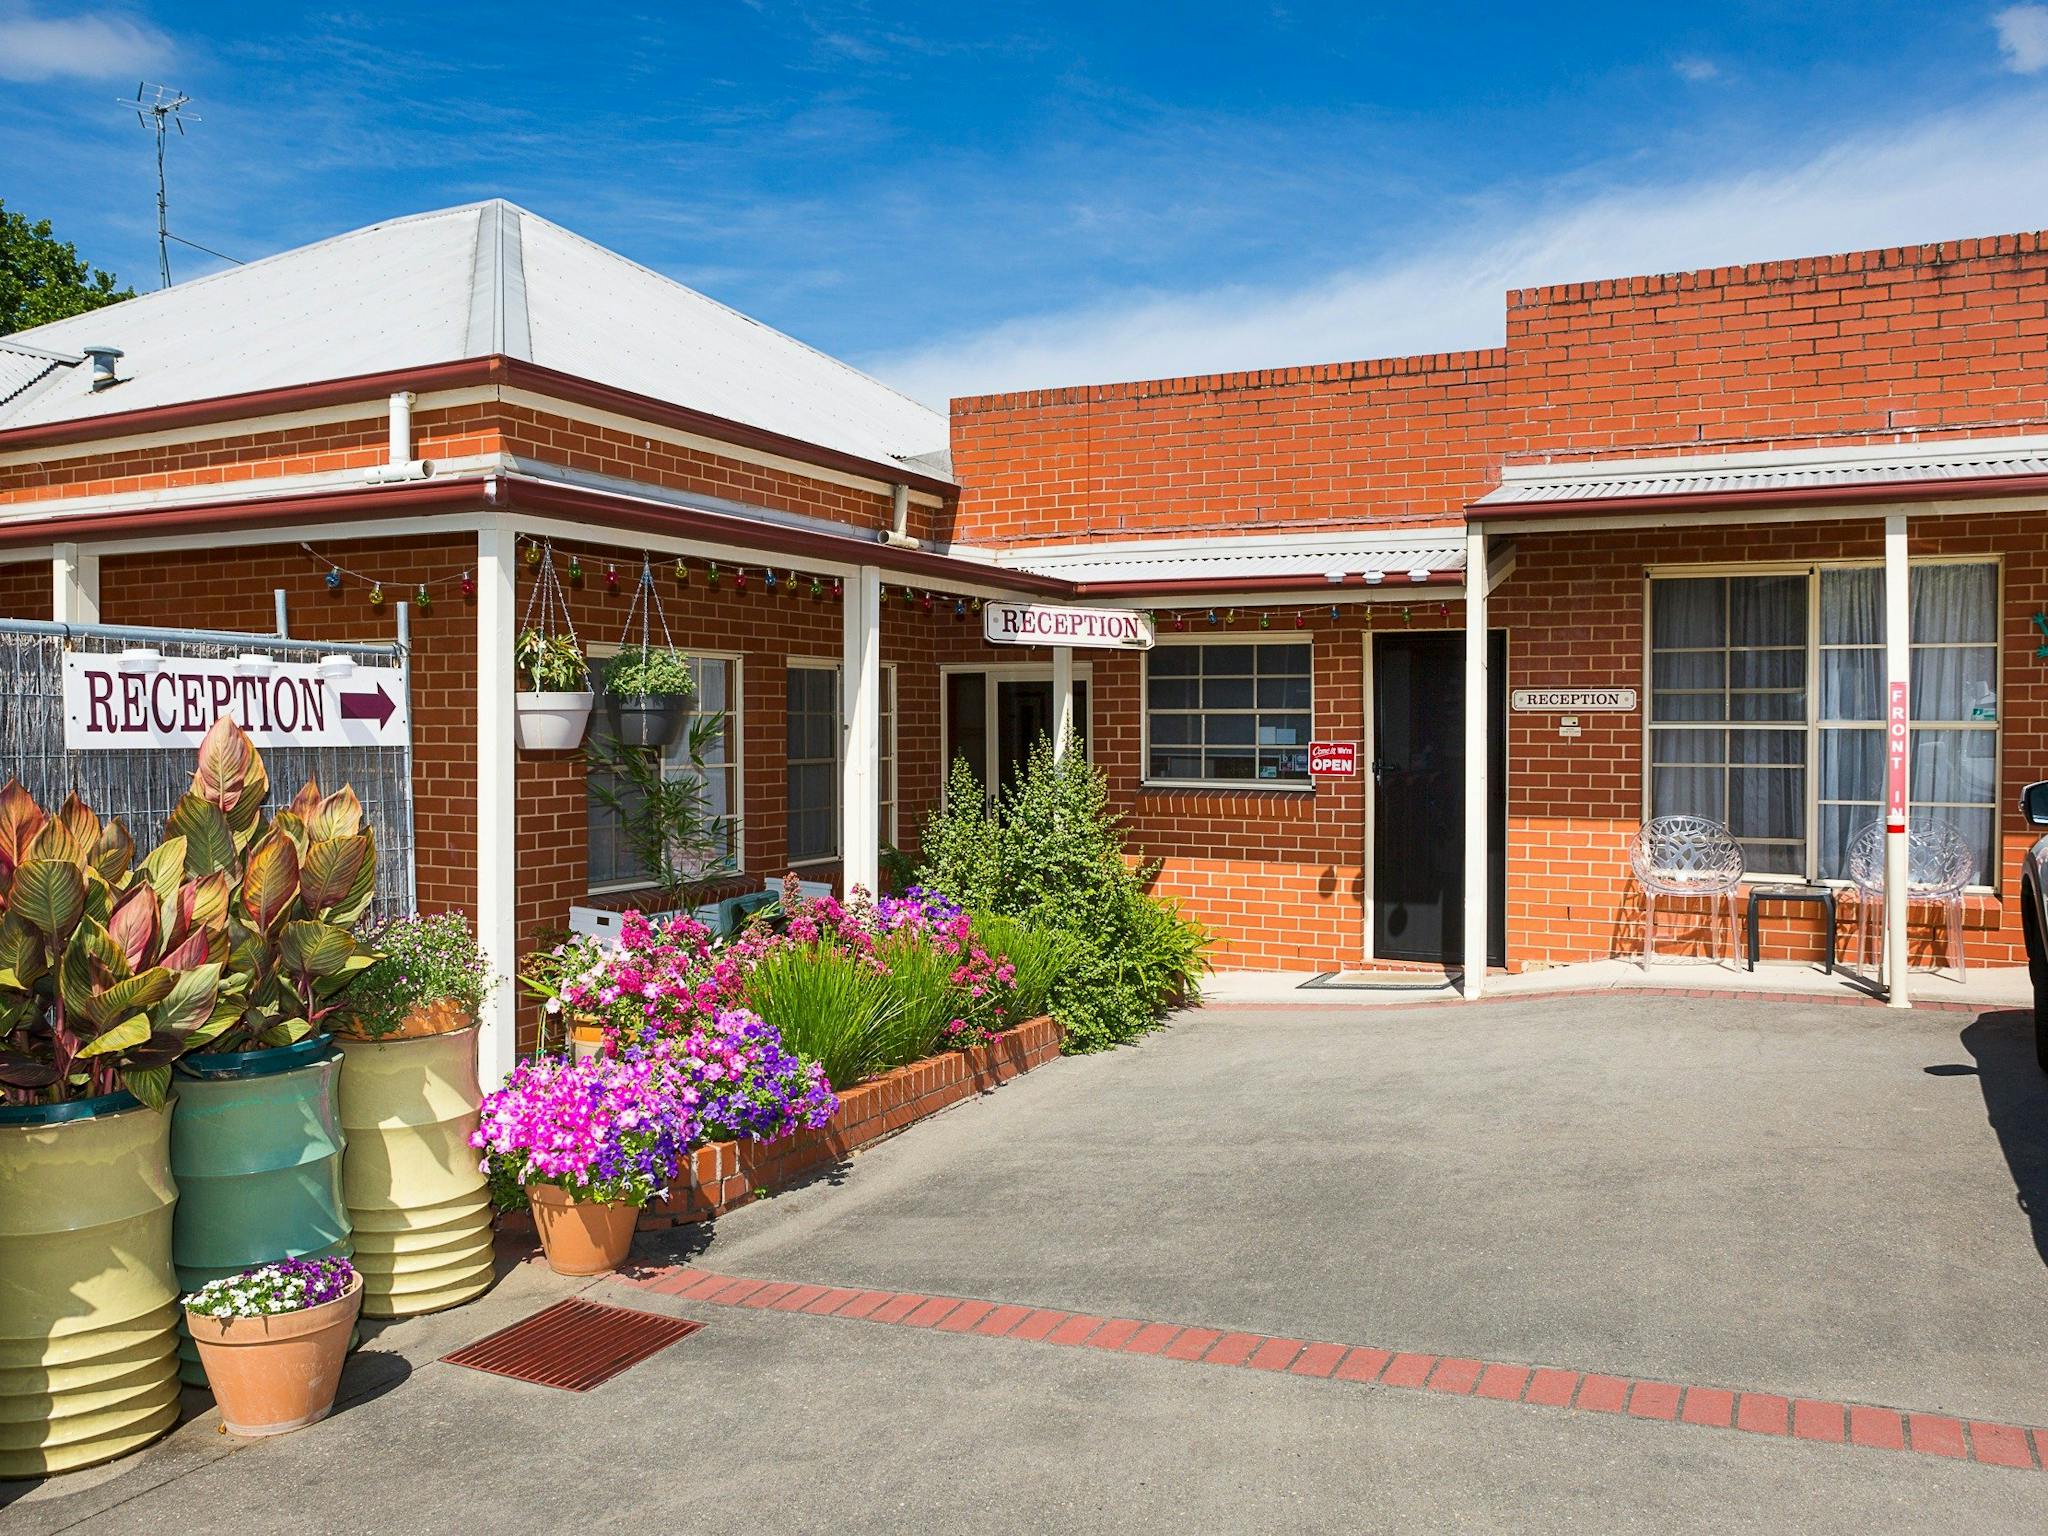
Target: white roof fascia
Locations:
point(1449, 537)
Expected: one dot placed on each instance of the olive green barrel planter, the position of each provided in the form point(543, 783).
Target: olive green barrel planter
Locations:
point(420, 1207)
point(88, 1301)
point(256, 1147)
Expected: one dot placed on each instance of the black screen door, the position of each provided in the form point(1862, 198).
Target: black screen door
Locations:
point(1418, 769)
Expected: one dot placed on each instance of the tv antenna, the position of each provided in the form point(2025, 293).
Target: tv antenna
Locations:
point(158, 107)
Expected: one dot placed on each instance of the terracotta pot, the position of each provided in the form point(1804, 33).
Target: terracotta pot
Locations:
point(444, 1016)
point(274, 1374)
point(581, 1237)
point(585, 1041)
point(420, 1208)
point(88, 1302)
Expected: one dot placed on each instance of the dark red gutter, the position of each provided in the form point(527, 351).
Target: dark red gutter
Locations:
point(770, 538)
point(1976, 488)
point(420, 498)
point(369, 390)
point(1203, 586)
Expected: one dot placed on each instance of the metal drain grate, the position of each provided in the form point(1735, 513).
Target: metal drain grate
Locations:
point(574, 1344)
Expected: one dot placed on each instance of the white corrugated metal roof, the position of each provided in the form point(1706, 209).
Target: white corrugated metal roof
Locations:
point(1792, 471)
point(1249, 559)
point(23, 367)
point(464, 282)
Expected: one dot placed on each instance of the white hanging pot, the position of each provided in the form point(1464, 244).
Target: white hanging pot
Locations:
point(553, 722)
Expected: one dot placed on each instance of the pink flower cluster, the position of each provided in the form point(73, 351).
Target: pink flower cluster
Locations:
point(609, 1128)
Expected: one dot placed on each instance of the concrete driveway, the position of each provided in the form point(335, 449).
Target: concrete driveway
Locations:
point(1740, 1202)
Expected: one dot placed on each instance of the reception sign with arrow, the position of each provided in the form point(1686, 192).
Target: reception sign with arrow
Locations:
point(141, 700)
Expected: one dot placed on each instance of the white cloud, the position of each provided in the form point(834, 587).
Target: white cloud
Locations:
point(1695, 69)
point(1955, 176)
point(2023, 37)
point(90, 45)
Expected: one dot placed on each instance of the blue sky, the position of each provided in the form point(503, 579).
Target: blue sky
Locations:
point(972, 197)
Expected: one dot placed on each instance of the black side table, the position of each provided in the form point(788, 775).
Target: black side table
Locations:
point(1819, 895)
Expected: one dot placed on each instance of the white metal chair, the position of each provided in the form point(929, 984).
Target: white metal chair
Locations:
point(1940, 864)
point(1686, 856)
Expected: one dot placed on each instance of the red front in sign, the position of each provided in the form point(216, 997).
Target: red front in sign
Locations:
point(1333, 759)
point(1898, 737)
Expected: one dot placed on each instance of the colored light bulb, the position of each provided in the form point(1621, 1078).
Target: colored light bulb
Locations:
point(468, 585)
point(423, 599)
point(377, 595)
point(334, 578)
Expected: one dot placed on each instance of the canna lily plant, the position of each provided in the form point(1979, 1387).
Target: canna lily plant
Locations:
point(230, 935)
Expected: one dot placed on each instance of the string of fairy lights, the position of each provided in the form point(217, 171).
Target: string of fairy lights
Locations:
point(766, 581)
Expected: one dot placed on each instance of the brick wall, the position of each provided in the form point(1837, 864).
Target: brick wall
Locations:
point(1931, 340)
point(26, 591)
point(1406, 440)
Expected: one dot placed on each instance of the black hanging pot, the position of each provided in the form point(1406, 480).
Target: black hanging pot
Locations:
point(645, 719)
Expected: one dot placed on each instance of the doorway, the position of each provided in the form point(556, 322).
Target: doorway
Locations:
point(1418, 798)
point(995, 717)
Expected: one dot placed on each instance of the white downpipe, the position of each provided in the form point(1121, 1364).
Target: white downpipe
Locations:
point(74, 585)
point(898, 536)
point(860, 692)
point(1062, 700)
point(1478, 804)
point(1898, 669)
point(497, 833)
point(399, 464)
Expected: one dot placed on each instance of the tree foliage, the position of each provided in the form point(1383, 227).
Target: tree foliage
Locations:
point(42, 278)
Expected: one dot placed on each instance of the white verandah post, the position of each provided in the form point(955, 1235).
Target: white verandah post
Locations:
point(860, 692)
point(1478, 902)
point(1062, 700)
point(1898, 668)
point(74, 585)
point(497, 771)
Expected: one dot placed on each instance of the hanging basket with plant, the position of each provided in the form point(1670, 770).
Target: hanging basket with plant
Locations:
point(554, 699)
point(647, 687)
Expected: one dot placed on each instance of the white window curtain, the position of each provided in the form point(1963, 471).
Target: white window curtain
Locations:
point(1730, 737)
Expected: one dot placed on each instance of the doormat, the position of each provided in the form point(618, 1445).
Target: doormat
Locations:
point(1383, 981)
point(574, 1345)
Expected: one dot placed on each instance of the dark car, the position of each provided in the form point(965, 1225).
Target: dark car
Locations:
point(2034, 916)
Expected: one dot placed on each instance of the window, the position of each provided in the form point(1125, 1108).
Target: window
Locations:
point(813, 757)
point(1238, 713)
point(611, 862)
point(1736, 727)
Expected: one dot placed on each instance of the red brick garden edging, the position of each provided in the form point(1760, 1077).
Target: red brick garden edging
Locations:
point(727, 1174)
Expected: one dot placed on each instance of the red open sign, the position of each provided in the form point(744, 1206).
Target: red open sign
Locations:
point(1333, 759)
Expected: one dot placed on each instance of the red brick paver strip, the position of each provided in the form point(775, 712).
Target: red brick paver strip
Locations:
point(1318, 1360)
point(1816, 1421)
point(1458, 1376)
point(1191, 1343)
point(963, 1317)
point(1654, 1400)
point(1151, 1339)
point(1001, 1321)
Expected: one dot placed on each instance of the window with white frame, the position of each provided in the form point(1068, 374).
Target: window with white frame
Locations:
point(1239, 712)
point(1767, 699)
point(612, 865)
point(813, 760)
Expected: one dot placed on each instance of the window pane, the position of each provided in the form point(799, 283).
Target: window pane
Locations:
point(1688, 792)
point(1176, 765)
point(1852, 606)
point(1851, 685)
point(1284, 764)
point(1839, 825)
point(1976, 827)
point(1954, 603)
point(1955, 683)
point(1851, 765)
point(1283, 693)
point(1233, 660)
point(1767, 706)
point(1228, 730)
point(1283, 730)
point(1227, 693)
point(1954, 767)
point(1283, 660)
point(1689, 746)
point(1766, 610)
point(1176, 730)
point(1232, 765)
point(1688, 613)
point(1767, 803)
point(1689, 669)
point(1689, 706)
point(1174, 661)
point(1173, 693)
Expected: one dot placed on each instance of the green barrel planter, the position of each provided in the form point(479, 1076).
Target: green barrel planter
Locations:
point(88, 1302)
point(420, 1207)
point(256, 1148)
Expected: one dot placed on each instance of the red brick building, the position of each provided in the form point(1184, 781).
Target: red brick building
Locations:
point(1677, 490)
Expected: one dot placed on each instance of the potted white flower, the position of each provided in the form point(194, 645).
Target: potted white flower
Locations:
point(273, 1338)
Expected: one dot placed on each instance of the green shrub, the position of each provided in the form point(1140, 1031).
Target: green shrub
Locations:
point(1052, 855)
point(829, 1007)
point(645, 670)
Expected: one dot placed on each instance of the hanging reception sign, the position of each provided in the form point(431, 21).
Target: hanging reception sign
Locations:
point(1120, 629)
point(142, 701)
